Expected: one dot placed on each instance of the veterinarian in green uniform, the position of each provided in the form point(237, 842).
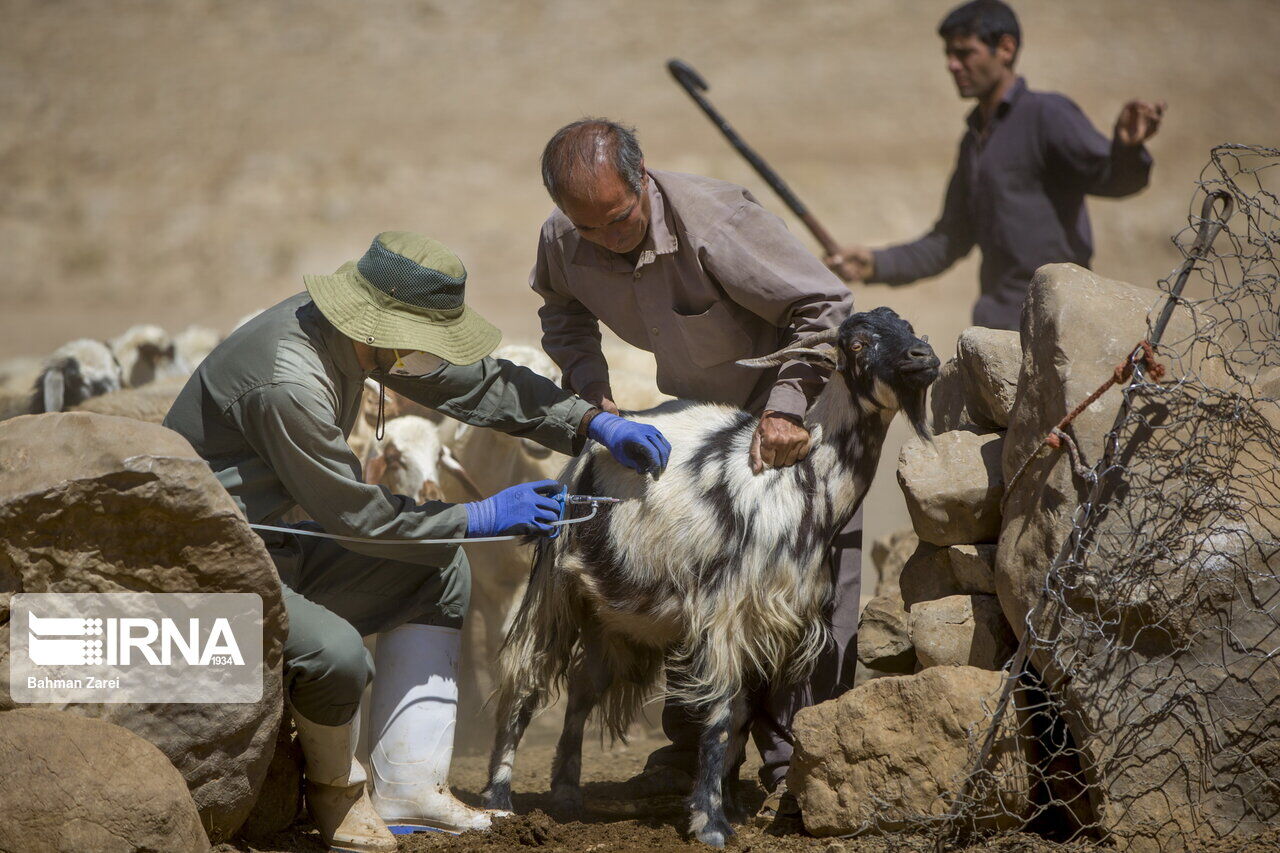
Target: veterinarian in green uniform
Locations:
point(270, 410)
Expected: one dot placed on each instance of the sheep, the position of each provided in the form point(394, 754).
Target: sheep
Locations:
point(407, 459)
point(191, 346)
point(75, 372)
point(145, 353)
point(717, 573)
point(492, 461)
point(149, 403)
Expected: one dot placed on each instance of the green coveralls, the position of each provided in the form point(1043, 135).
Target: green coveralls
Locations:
point(270, 410)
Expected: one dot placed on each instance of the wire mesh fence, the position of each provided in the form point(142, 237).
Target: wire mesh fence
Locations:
point(1147, 684)
point(1142, 708)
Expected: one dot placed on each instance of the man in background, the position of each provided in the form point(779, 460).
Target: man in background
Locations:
point(696, 272)
point(1027, 160)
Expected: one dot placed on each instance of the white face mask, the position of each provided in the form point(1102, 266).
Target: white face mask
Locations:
point(415, 364)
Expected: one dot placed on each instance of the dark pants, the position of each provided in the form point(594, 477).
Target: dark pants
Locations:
point(775, 706)
point(334, 597)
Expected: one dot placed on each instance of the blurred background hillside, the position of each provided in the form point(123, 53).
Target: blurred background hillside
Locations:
point(187, 161)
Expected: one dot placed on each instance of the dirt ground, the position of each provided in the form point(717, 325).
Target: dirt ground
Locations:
point(615, 822)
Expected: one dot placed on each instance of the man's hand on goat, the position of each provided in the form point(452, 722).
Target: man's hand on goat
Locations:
point(780, 440)
point(523, 509)
point(855, 263)
point(600, 395)
point(638, 446)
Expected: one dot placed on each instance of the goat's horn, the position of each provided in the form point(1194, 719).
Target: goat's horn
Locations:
point(806, 346)
point(826, 336)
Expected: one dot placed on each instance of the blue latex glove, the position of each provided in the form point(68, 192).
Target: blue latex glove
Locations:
point(526, 508)
point(638, 446)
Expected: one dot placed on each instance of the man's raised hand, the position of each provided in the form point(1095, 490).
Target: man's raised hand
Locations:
point(1138, 122)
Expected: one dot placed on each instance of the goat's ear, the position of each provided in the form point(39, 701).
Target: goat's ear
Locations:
point(54, 390)
point(818, 357)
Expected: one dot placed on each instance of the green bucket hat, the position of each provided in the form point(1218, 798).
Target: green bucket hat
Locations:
point(406, 293)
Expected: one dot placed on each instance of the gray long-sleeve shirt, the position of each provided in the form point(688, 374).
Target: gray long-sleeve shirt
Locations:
point(270, 410)
point(1018, 193)
point(719, 279)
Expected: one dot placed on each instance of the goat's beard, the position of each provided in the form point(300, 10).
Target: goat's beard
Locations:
point(913, 407)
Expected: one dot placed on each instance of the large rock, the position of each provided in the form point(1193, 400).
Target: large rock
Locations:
point(961, 630)
point(932, 572)
point(1157, 639)
point(889, 554)
point(894, 752)
point(953, 485)
point(90, 503)
point(884, 638)
point(71, 783)
point(1076, 327)
point(989, 361)
point(948, 404)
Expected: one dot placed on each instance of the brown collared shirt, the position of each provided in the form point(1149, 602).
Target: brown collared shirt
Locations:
point(719, 279)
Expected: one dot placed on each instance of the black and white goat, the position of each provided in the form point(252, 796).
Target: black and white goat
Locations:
point(717, 572)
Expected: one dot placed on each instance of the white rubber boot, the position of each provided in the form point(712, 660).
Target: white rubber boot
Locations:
point(336, 795)
point(411, 723)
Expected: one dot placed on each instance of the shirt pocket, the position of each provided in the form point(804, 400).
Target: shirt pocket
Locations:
point(713, 336)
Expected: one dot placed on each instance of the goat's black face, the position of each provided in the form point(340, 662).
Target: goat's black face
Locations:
point(877, 354)
point(881, 357)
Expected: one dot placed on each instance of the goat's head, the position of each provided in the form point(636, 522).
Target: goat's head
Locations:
point(879, 357)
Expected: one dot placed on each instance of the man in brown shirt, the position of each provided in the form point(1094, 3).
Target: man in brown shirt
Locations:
point(695, 271)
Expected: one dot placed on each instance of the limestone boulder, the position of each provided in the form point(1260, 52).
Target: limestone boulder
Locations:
point(948, 403)
point(953, 486)
point(932, 572)
point(884, 637)
point(989, 362)
point(892, 753)
point(71, 783)
point(888, 555)
point(91, 503)
point(1076, 327)
point(961, 630)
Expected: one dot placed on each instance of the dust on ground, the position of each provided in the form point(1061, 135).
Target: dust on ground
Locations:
point(615, 822)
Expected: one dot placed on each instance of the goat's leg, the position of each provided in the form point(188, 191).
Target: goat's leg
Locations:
point(514, 714)
point(739, 729)
point(707, 821)
point(588, 678)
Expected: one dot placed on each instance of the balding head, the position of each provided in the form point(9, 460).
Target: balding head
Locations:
point(581, 154)
point(594, 171)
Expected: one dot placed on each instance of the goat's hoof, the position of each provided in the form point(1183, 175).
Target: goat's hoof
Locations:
point(496, 798)
point(567, 800)
point(712, 830)
point(735, 812)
